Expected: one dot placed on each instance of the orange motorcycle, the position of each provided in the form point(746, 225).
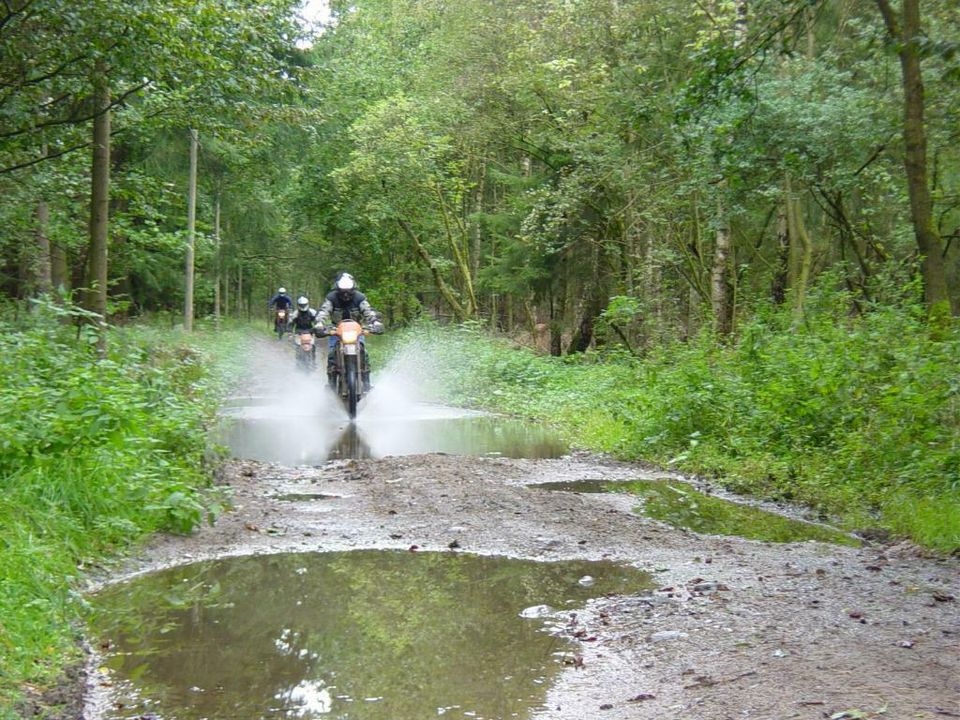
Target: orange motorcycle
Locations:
point(349, 357)
point(305, 347)
point(280, 322)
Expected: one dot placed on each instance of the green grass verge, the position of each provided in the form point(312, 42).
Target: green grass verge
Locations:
point(95, 454)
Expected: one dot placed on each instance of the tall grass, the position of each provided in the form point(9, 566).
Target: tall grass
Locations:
point(858, 418)
point(95, 453)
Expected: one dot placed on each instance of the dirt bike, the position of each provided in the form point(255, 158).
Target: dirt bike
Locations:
point(347, 380)
point(305, 347)
point(280, 322)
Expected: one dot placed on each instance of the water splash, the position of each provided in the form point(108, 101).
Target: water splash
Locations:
point(291, 417)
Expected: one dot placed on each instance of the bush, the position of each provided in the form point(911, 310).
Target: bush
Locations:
point(95, 453)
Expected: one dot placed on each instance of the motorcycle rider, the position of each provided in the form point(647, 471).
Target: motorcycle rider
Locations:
point(280, 301)
point(304, 318)
point(345, 302)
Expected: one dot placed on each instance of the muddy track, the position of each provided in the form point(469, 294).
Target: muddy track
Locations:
point(735, 629)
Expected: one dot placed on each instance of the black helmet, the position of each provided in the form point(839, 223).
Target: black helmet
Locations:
point(303, 303)
point(346, 286)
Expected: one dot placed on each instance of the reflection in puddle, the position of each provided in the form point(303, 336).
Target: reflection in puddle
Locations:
point(369, 635)
point(305, 497)
point(311, 440)
point(680, 505)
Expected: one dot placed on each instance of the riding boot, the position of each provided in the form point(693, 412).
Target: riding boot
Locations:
point(365, 379)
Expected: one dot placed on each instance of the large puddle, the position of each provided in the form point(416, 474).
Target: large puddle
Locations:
point(364, 635)
point(682, 506)
point(315, 430)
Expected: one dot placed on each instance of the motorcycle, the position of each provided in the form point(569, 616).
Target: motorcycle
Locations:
point(349, 362)
point(305, 347)
point(280, 322)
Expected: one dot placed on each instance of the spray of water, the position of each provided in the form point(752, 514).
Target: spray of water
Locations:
point(406, 388)
point(283, 414)
point(287, 416)
point(399, 416)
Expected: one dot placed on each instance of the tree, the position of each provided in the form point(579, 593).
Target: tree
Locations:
point(191, 235)
point(905, 33)
point(99, 201)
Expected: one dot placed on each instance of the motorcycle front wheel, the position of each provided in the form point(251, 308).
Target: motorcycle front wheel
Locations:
point(353, 386)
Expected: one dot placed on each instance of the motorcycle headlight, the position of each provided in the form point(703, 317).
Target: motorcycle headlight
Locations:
point(349, 336)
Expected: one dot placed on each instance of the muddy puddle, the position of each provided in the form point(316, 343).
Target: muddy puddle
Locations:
point(365, 635)
point(680, 505)
point(314, 431)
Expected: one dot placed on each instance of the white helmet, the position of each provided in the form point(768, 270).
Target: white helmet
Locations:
point(282, 291)
point(346, 287)
point(303, 303)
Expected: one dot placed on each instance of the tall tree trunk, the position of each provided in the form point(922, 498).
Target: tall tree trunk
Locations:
point(226, 290)
point(779, 284)
point(476, 252)
point(721, 283)
point(908, 39)
point(42, 273)
point(697, 292)
point(42, 276)
point(59, 271)
point(797, 232)
point(653, 323)
point(96, 281)
point(191, 235)
point(216, 262)
point(238, 298)
point(558, 310)
point(721, 287)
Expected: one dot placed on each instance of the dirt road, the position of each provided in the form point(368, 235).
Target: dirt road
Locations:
point(736, 629)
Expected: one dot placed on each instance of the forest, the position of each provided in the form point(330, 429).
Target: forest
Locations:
point(592, 173)
point(738, 222)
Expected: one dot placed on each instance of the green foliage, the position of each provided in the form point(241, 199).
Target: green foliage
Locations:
point(854, 417)
point(95, 453)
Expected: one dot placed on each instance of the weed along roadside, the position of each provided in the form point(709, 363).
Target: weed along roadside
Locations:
point(99, 452)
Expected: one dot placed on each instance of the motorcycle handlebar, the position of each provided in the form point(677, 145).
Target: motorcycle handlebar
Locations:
point(332, 330)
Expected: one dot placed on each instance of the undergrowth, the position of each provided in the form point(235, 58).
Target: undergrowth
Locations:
point(96, 452)
point(856, 418)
